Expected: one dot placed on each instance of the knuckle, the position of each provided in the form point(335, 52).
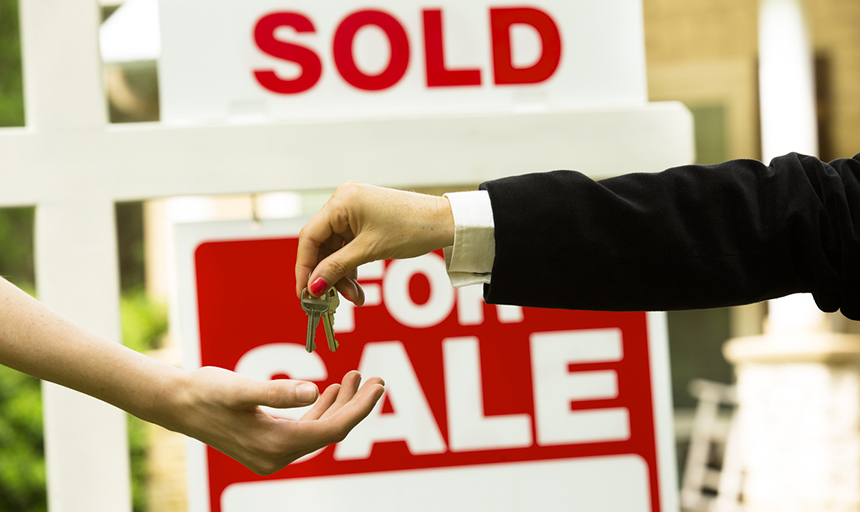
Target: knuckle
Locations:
point(351, 186)
point(349, 191)
point(266, 468)
point(339, 267)
point(339, 432)
point(267, 461)
point(272, 392)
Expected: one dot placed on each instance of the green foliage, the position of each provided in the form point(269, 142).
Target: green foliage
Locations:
point(11, 84)
point(22, 458)
point(138, 442)
point(16, 246)
point(144, 322)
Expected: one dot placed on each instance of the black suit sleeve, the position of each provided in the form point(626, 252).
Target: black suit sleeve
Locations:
point(689, 237)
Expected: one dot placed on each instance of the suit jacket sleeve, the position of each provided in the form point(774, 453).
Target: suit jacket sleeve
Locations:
point(689, 237)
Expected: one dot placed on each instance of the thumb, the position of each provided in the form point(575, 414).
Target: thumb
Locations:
point(282, 393)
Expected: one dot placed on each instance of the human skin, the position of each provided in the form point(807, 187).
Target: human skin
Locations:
point(213, 405)
point(362, 223)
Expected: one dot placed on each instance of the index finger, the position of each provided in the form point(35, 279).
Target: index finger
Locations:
point(311, 238)
point(314, 431)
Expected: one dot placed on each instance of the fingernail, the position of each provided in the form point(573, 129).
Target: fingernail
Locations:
point(306, 393)
point(318, 287)
point(346, 295)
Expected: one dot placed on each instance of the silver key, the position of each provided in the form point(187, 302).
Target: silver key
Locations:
point(328, 319)
point(315, 308)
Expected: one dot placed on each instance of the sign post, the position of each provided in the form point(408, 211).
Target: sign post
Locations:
point(486, 407)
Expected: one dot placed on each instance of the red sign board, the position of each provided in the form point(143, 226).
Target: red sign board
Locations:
point(486, 407)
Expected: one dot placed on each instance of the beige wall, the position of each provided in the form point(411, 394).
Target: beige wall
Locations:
point(705, 51)
point(684, 30)
point(836, 32)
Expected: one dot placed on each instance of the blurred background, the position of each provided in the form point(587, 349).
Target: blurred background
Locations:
point(704, 53)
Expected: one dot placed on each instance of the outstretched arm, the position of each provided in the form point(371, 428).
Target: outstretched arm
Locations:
point(686, 238)
point(216, 406)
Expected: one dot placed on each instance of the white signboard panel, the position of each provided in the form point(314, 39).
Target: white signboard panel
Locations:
point(256, 60)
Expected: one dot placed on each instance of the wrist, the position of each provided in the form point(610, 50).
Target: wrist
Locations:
point(169, 397)
point(421, 223)
point(444, 223)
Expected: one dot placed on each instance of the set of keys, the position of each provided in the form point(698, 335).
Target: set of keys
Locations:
point(316, 308)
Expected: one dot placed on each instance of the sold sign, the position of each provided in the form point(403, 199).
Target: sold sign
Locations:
point(437, 74)
point(486, 407)
point(304, 59)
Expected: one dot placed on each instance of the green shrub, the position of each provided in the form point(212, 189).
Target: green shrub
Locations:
point(22, 456)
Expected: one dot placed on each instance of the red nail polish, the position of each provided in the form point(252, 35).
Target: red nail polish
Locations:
point(346, 296)
point(318, 287)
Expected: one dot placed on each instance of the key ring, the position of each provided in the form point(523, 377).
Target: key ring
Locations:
point(305, 291)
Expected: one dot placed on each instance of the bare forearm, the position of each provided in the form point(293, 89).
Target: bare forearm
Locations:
point(38, 342)
point(214, 405)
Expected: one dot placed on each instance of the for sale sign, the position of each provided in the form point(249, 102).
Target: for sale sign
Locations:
point(486, 407)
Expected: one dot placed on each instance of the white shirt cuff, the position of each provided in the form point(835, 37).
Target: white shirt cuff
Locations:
point(470, 259)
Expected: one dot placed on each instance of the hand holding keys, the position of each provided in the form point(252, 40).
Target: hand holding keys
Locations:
point(316, 308)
